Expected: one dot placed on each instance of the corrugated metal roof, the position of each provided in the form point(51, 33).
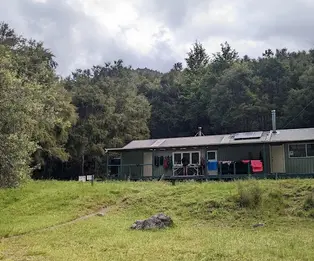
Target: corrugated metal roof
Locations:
point(292, 135)
point(175, 142)
point(288, 135)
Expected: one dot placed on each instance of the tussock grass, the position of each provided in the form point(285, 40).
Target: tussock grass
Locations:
point(250, 194)
point(213, 221)
point(309, 201)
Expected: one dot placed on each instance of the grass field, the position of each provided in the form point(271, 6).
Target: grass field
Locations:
point(213, 221)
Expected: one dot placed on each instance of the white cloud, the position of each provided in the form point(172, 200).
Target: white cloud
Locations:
point(109, 15)
point(158, 33)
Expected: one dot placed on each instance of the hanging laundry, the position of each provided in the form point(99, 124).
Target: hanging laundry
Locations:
point(212, 165)
point(244, 167)
point(257, 166)
point(156, 161)
point(161, 160)
point(226, 162)
point(170, 162)
point(225, 167)
point(166, 163)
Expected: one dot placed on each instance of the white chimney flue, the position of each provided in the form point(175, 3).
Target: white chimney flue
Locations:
point(273, 118)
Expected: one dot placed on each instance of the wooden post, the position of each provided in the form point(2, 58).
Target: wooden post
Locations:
point(153, 164)
point(129, 172)
point(206, 165)
point(82, 166)
point(95, 167)
point(264, 161)
point(234, 168)
point(141, 171)
point(120, 170)
point(107, 164)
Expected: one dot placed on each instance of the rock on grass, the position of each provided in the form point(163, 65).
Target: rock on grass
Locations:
point(158, 221)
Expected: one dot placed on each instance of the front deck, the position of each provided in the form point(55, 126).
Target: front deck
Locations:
point(135, 172)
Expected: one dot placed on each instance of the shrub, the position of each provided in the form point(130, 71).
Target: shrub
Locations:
point(249, 194)
point(309, 201)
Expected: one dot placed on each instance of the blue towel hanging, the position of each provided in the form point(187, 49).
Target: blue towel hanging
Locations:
point(212, 165)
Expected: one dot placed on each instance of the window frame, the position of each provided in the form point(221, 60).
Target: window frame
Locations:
point(309, 143)
point(173, 158)
point(199, 158)
point(190, 157)
point(216, 155)
point(306, 150)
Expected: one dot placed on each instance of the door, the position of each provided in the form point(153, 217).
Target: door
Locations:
point(277, 159)
point(148, 164)
point(212, 164)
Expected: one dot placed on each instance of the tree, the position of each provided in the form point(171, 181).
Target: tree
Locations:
point(37, 111)
point(177, 67)
point(299, 108)
point(275, 76)
point(197, 58)
point(234, 104)
point(167, 119)
point(224, 59)
point(111, 113)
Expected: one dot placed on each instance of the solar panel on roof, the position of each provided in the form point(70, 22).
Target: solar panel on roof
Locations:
point(157, 143)
point(248, 135)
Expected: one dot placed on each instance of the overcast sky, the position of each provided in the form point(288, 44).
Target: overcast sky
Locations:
point(158, 33)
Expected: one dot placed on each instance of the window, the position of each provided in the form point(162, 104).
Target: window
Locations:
point(187, 157)
point(301, 150)
point(192, 157)
point(297, 151)
point(310, 150)
point(177, 158)
point(195, 158)
point(211, 155)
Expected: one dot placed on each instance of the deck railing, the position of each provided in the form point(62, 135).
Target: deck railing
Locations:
point(140, 171)
point(127, 171)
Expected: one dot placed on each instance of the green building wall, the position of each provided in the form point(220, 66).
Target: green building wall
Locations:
point(130, 159)
point(298, 165)
point(131, 164)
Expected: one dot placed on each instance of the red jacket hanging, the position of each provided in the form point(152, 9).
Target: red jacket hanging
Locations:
point(166, 163)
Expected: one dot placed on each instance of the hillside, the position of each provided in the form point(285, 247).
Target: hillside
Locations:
point(213, 221)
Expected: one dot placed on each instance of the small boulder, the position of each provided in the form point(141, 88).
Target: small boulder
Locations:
point(157, 221)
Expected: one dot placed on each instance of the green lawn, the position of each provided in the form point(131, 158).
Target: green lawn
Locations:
point(213, 221)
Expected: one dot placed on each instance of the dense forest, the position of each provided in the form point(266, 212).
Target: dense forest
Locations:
point(54, 127)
